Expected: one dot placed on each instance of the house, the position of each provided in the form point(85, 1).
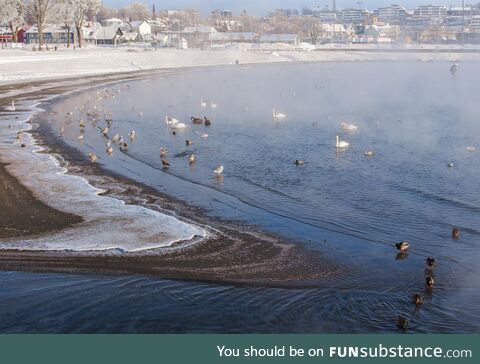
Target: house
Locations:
point(279, 38)
point(198, 35)
point(6, 35)
point(52, 34)
point(21, 36)
point(238, 37)
point(110, 35)
point(141, 27)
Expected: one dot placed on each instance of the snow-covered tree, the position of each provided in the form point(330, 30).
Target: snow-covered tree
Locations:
point(42, 10)
point(80, 9)
point(12, 13)
point(66, 17)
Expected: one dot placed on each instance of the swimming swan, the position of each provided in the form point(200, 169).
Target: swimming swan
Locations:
point(341, 144)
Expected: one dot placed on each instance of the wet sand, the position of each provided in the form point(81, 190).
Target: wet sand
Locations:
point(232, 254)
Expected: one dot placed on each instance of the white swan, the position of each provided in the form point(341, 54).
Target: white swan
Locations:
point(213, 105)
point(179, 125)
point(341, 144)
point(348, 127)
point(203, 103)
point(11, 107)
point(218, 170)
point(278, 115)
point(171, 121)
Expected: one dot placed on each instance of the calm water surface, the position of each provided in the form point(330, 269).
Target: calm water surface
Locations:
point(415, 116)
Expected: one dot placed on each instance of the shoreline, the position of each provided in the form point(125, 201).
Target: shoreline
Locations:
point(232, 254)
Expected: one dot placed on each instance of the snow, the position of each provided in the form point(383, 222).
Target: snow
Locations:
point(20, 65)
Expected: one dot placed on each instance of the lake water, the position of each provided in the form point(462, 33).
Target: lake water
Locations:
point(416, 117)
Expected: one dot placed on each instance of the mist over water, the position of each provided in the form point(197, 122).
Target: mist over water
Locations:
point(415, 116)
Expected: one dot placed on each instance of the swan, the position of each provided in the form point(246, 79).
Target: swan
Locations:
point(218, 170)
point(203, 103)
point(179, 125)
point(341, 144)
point(11, 107)
point(278, 115)
point(213, 105)
point(471, 149)
point(348, 127)
point(170, 121)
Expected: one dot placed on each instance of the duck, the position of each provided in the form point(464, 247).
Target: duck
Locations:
point(341, 144)
point(455, 233)
point(191, 158)
point(115, 138)
point(429, 281)
point(402, 322)
point(11, 107)
point(450, 165)
point(81, 124)
point(131, 135)
point(93, 157)
point(417, 299)
point(454, 69)
point(369, 153)
point(299, 162)
point(348, 127)
point(104, 131)
point(218, 170)
point(206, 121)
point(109, 122)
point(196, 120)
point(278, 115)
point(109, 151)
point(188, 142)
point(430, 262)
point(124, 146)
point(402, 246)
point(140, 113)
point(80, 137)
point(471, 149)
point(163, 152)
point(165, 163)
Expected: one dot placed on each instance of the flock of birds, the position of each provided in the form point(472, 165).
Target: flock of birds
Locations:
point(417, 298)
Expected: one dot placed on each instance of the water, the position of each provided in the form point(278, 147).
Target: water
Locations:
point(415, 116)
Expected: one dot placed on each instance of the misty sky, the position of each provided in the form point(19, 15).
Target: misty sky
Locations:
point(262, 6)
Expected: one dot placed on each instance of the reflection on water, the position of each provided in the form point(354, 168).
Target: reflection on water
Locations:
point(416, 118)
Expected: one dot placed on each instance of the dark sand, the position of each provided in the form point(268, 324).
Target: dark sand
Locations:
point(233, 254)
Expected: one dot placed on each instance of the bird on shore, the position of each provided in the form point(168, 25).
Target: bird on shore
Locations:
point(218, 170)
point(430, 262)
point(455, 233)
point(341, 144)
point(11, 107)
point(417, 299)
point(191, 158)
point(348, 127)
point(429, 281)
point(278, 115)
point(402, 246)
point(93, 157)
point(165, 163)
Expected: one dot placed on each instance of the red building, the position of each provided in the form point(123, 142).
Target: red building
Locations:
point(21, 33)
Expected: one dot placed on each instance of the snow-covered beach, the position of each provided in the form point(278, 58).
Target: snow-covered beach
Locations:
point(25, 65)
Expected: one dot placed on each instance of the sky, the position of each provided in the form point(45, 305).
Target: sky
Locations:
point(261, 7)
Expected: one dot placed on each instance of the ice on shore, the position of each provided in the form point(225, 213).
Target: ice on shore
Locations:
point(109, 224)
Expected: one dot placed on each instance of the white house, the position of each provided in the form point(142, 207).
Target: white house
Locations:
point(143, 28)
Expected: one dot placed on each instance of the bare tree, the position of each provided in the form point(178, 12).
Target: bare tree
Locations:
point(80, 9)
point(12, 13)
point(41, 10)
point(67, 17)
point(135, 11)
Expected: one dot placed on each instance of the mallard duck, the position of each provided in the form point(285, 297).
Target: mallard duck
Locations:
point(402, 322)
point(196, 120)
point(93, 157)
point(402, 246)
point(206, 121)
point(417, 299)
point(429, 281)
point(165, 163)
point(455, 233)
point(430, 262)
point(109, 151)
point(191, 158)
point(188, 142)
point(131, 135)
